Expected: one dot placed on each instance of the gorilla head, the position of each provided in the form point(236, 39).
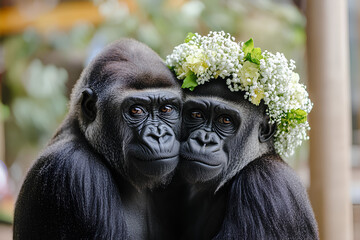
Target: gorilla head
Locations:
point(222, 133)
point(238, 184)
point(128, 105)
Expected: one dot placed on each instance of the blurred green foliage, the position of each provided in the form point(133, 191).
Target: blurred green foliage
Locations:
point(38, 112)
point(38, 65)
point(4, 112)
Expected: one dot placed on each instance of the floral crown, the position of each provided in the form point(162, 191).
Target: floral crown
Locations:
point(261, 75)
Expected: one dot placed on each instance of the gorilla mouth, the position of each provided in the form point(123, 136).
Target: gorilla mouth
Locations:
point(156, 167)
point(198, 161)
point(162, 158)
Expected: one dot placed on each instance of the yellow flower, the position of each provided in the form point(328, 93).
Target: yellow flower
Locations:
point(249, 74)
point(216, 74)
point(182, 71)
point(259, 95)
point(197, 62)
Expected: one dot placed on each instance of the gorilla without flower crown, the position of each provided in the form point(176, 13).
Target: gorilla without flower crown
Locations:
point(98, 176)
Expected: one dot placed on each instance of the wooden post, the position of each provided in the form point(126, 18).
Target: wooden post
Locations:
point(2, 134)
point(330, 120)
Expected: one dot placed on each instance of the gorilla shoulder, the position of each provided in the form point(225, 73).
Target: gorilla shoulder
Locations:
point(61, 187)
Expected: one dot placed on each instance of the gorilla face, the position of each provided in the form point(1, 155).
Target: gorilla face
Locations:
point(130, 113)
point(138, 133)
point(208, 125)
point(221, 133)
point(153, 118)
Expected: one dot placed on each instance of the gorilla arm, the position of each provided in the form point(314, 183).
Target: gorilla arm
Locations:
point(61, 188)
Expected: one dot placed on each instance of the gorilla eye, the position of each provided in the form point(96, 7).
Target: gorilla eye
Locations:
point(224, 120)
point(196, 115)
point(166, 109)
point(136, 111)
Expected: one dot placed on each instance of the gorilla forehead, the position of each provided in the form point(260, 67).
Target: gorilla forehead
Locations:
point(218, 90)
point(131, 64)
point(153, 96)
point(213, 103)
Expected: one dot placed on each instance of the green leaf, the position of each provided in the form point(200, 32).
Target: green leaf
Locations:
point(256, 55)
point(248, 46)
point(247, 57)
point(252, 54)
point(189, 36)
point(299, 115)
point(190, 82)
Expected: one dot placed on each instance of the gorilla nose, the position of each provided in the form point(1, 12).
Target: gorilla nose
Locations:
point(159, 134)
point(156, 132)
point(202, 140)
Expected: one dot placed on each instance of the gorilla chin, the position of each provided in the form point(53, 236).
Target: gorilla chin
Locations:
point(154, 164)
point(156, 168)
point(199, 167)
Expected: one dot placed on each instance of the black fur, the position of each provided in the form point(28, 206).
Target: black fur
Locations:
point(267, 201)
point(87, 184)
point(69, 194)
point(253, 194)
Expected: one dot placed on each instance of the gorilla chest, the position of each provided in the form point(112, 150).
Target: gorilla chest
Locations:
point(136, 214)
point(205, 211)
point(141, 218)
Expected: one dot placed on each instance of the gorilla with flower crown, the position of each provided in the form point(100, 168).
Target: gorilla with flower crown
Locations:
point(244, 109)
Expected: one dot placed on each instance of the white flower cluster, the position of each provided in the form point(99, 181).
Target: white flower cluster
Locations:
point(208, 57)
point(262, 76)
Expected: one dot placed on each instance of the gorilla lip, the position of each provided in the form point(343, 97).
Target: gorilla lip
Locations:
point(187, 158)
point(163, 166)
point(164, 158)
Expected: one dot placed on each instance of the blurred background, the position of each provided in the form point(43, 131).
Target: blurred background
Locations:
point(45, 44)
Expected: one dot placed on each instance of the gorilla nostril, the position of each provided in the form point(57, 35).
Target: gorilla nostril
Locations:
point(154, 136)
point(208, 139)
point(157, 133)
point(204, 141)
point(211, 143)
point(199, 141)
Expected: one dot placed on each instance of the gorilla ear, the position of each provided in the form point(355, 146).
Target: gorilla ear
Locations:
point(88, 106)
point(266, 130)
